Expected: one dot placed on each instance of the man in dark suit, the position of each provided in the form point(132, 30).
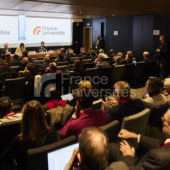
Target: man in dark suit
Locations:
point(163, 56)
point(99, 43)
point(5, 50)
point(124, 105)
point(158, 155)
point(42, 48)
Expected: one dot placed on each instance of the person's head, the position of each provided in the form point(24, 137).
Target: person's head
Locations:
point(129, 58)
point(31, 68)
point(162, 38)
point(167, 85)
point(102, 57)
point(93, 149)
point(82, 50)
point(77, 64)
point(71, 52)
point(101, 50)
point(145, 55)
point(24, 60)
point(154, 85)
point(85, 84)
point(130, 53)
point(22, 46)
point(93, 53)
point(42, 43)
point(34, 125)
point(7, 58)
point(111, 51)
point(15, 57)
point(54, 93)
point(47, 58)
point(84, 98)
point(6, 45)
point(53, 67)
point(63, 50)
point(120, 54)
point(122, 90)
point(5, 106)
point(98, 37)
point(166, 123)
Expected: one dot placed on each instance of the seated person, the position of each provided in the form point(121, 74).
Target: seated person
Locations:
point(15, 61)
point(2, 64)
point(111, 54)
point(146, 56)
point(84, 116)
point(55, 99)
point(42, 47)
point(83, 54)
point(78, 68)
point(29, 72)
point(53, 68)
point(93, 151)
point(154, 98)
point(93, 55)
point(117, 60)
point(158, 150)
point(46, 61)
point(6, 113)
point(5, 50)
point(20, 49)
point(24, 62)
point(101, 61)
point(34, 133)
point(167, 88)
point(7, 59)
point(128, 59)
point(60, 57)
point(124, 105)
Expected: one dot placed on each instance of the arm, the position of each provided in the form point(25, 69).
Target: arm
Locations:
point(145, 141)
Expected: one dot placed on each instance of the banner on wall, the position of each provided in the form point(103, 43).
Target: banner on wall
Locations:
point(51, 31)
point(8, 30)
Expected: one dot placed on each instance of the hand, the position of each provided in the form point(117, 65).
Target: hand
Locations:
point(73, 157)
point(126, 149)
point(110, 101)
point(124, 134)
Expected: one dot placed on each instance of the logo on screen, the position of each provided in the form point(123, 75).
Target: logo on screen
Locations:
point(37, 30)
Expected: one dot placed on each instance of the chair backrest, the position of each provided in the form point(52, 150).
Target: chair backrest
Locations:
point(118, 72)
point(63, 68)
point(97, 104)
point(15, 87)
point(7, 132)
point(37, 157)
point(112, 130)
point(136, 123)
point(62, 63)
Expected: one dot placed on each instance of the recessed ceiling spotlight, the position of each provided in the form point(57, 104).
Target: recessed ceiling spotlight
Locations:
point(80, 12)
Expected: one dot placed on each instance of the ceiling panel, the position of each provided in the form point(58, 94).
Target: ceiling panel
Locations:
point(84, 8)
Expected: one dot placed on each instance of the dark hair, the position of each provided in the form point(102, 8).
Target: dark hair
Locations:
point(55, 94)
point(31, 68)
point(22, 45)
point(95, 152)
point(85, 97)
point(5, 106)
point(53, 66)
point(25, 53)
point(16, 57)
point(156, 84)
point(34, 125)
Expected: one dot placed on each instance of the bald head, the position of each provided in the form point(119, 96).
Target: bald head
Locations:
point(93, 146)
point(166, 123)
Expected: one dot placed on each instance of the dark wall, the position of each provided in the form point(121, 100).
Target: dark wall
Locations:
point(142, 34)
point(162, 23)
point(97, 29)
point(122, 41)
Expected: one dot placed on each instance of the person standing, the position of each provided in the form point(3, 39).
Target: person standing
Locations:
point(163, 57)
point(99, 43)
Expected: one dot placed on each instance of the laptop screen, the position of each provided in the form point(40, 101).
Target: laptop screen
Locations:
point(58, 159)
